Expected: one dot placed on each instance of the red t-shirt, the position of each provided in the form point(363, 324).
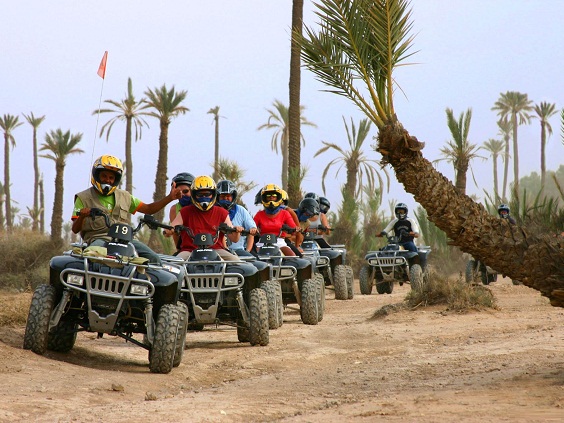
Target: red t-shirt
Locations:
point(271, 224)
point(201, 222)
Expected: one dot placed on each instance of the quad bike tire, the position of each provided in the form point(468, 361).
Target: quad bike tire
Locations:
point(340, 282)
point(62, 337)
point(320, 296)
point(163, 350)
point(280, 301)
point(384, 287)
point(309, 309)
point(183, 315)
point(273, 304)
point(242, 330)
point(487, 278)
point(258, 317)
point(350, 283)
point(37, 327)
point(470, 272)
point(416, 277)
point(364, 280)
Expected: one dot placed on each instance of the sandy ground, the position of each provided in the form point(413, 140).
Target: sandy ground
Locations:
point(427, 365)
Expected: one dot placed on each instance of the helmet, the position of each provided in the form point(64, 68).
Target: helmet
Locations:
point(204, 183)
point(312, 195)
point(284, 197)
point(503, 208)
point(110, 163)
point(324, 205)
point(271, 189)
point(184, 178)
point(227, 187)
point(309, 207)
point(258, 197)
point(398, 207)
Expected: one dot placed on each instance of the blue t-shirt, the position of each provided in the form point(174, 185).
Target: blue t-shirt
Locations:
point(242, 218)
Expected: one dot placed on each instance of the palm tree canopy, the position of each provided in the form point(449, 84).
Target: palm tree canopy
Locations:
point(513, 102)
point(8, 123)
point(128, 108)
point(360, 42)
point(60, 145)
point(34, 121)
point(495, 147)
point(545, 111)
point(354, 159)
point(166, 103)
point(278, 120)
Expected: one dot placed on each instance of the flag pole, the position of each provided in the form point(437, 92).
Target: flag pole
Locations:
point(101, 74)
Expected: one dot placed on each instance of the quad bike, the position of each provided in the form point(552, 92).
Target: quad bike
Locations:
point(478, 271)
point(109, 289)
point(297, 278)
point(223, 292)
point(393, 263)
point(330, 264)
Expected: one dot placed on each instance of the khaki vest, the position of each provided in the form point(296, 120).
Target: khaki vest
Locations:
point(96, 228)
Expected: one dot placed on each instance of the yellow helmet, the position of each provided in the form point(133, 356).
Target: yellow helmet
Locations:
point(203, 183)
point(269, 190)
point(284, 197)
point(106, 162)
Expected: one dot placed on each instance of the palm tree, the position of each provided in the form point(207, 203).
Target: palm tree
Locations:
point(495, 147)
point(59, 145)
point(279, 121)
point(505, 130)
point(514, 105)
point(355, 51)
point(41, 205)
point(544, 112)
point(8, 123)
point(131, 111)
point(357, 165)
point(35, 122)
point(167, 105)
point(459, 151)
point(294, 109)
point(215, 112)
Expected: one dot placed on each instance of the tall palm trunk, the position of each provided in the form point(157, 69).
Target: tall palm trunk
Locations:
point(41, 206)
point(7, 197)
point(505, 168)
point(515, 157)
point(35, 224)
point(495, 181)
point(284, 143)
point(160, 179)
point(128, 156)
point(294, 120)
point(57, 217)
point(543, 153)
point(507, 248)
point(461, 172)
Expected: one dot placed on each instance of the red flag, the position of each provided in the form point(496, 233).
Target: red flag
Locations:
point(102, 68)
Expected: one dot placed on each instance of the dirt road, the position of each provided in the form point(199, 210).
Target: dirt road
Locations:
point(426, 365)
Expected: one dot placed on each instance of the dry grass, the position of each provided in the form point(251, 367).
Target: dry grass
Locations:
point(14, 308)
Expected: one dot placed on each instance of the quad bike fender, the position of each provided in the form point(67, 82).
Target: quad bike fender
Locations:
point(303, 266)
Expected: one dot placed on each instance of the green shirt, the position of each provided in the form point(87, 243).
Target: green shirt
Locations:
point(108, 201)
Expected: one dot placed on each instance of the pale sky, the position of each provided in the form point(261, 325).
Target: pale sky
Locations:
point(235, 54)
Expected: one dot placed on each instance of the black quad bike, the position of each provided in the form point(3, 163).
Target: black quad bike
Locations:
point(223, 292)
point(297, 278)
point(109, 289)
point(393, 263)
point(331, 264)
point(478, 271)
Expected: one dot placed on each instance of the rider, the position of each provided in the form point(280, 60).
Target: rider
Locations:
point(184, 181)
point(274, 216)
point(240, 217)
point(308, 214)
point(202, 217)
point(404, 228)
point(320, 220)
point(503, 211)
point(296, 238)
point(117, 203)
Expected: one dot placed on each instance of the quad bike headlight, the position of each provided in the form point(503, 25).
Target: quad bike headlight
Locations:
point(171, 269)
point(231, 281)
point(138, 289)
point(74, 279)
point(286, 272)
point(399, 261)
